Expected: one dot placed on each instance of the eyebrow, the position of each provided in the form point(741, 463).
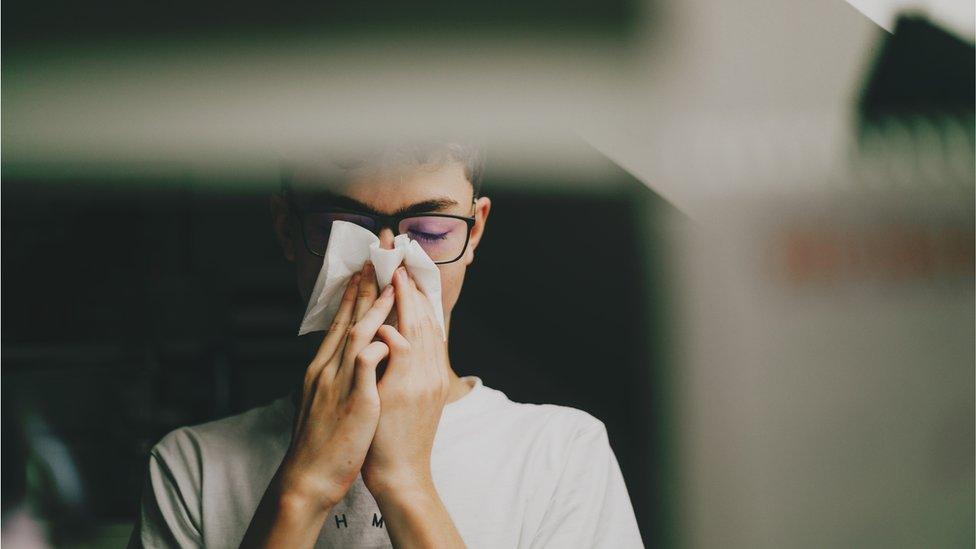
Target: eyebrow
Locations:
point(433, 205)
point(342, 201)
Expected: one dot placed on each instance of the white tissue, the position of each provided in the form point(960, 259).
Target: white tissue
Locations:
point(349, 247)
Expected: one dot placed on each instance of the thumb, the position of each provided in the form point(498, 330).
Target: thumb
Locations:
point(366, 362)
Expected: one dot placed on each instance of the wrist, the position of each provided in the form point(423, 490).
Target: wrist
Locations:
point(297, 507)
point(298, 492)
point(284, 518)
point(403, 485)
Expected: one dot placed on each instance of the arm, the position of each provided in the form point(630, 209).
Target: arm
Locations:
point(167, 518)
point(286, 518)
point(413, 392)
point(334, 423)
point(416, 516)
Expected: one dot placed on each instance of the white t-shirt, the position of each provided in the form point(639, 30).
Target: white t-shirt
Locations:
point(510, 475)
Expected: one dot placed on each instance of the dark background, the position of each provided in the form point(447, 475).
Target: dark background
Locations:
point(136, 304)
point(39, 23)
point(133, 307)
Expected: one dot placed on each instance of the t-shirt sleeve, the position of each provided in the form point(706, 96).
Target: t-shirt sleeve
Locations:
point(590, 506)
point(169, 510)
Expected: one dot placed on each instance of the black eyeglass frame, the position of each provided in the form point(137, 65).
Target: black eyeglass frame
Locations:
point(382, 221)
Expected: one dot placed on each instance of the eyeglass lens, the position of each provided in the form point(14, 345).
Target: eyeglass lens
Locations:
point(442, 238)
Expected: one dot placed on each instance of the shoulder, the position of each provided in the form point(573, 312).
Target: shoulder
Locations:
point(579, 494)
point(564, 429)
point(553, 431)
point(564, 419)
point(229, 436)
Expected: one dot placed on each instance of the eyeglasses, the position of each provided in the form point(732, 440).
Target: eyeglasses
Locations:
point(443, 236)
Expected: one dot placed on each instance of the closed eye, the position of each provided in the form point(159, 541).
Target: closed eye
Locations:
point(420, 235)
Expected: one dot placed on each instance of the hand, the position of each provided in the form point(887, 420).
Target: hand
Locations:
point(413, 391)
point(334, 423)
point(340, 404)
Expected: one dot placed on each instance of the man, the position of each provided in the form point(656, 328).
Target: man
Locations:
point(384, 444)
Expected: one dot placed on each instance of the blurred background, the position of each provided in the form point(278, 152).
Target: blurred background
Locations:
point(782, 193)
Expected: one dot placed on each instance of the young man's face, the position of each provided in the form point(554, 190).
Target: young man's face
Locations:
point(436, 189)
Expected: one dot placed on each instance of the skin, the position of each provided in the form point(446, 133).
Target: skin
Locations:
point(347, 422)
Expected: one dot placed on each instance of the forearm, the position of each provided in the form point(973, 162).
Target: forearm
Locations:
point(285, 519)
point(415, 516)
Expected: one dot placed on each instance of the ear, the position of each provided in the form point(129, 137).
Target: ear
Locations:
point(482, 207)
point(282, 225)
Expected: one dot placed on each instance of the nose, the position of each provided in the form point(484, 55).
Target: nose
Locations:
point(386, 238)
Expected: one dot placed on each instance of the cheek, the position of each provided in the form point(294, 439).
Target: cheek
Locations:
point(452, 276)
point(307, 267)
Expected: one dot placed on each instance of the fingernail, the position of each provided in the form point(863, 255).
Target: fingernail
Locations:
point(387, 292)
point(367, 267)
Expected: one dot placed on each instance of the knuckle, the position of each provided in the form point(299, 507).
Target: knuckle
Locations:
point(400, 344)
point(322, 384)
point(338, 326)
point(364, 358)
point(310, 378)
point(348, 407)
point(359, 333)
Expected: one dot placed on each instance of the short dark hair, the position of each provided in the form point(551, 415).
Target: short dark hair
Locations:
point(470, 156)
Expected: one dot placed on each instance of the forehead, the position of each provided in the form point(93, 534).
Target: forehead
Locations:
point(396, 188)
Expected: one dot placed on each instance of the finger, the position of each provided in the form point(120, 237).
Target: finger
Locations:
point(343, 318)
point(405, 307)
point(376, 314)
point(364, 331)
point(399, 349)
point(337, 330)
point(423, 307)
point(427, 328)
point(416, 294)
point(367, 291)
point(429, 334)
point(366, 362)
